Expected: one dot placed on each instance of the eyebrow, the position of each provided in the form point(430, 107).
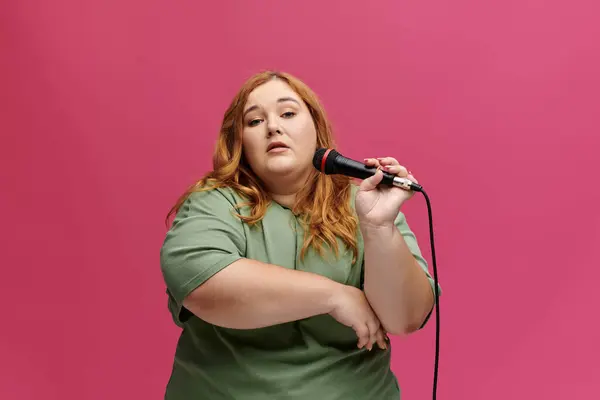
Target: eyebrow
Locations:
point(280, 100)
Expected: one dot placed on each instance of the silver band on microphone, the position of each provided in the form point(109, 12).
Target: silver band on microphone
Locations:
point(403, 183)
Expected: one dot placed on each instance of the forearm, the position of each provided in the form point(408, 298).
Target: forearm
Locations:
point(395, 285)
point(250, 294)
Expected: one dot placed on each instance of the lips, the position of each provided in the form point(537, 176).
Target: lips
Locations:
point(275, 145)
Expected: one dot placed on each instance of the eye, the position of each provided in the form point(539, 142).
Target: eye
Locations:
point(254, 122)
point(288, 114)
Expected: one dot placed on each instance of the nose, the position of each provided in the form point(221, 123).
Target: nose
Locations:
point(273, 127)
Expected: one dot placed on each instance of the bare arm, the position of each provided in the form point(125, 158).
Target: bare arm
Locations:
point(395, 285)
point(249, 294)
point(246, 294)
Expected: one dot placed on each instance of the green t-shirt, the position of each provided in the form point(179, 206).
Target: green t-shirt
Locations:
point(315, 358)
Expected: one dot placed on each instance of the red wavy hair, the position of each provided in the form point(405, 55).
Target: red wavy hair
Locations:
point(323, 205)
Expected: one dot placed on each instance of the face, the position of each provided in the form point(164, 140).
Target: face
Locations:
point(279, 136)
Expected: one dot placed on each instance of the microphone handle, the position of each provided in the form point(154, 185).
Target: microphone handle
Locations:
point(346, 166)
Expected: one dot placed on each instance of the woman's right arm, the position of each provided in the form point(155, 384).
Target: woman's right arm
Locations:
point(235, 298)
point(206, 272)
point(250, 294)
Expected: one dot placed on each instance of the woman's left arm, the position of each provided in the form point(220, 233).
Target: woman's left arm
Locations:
point(397, 287)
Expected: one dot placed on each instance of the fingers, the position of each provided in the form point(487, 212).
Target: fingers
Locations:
point(373, 329)
point(368, 337)
point(381, 339)
point(372, 162)
point(391, 165)
point(412, 178)
point(387, 161)
point(371, 182)
point(396, 170)
point(364, 336)
point(380, 161)
point(371, 333)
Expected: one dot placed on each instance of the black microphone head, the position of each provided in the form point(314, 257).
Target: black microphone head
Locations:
point(323, 160)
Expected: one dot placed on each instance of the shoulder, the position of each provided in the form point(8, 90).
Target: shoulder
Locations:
point(209, 199)
point(215, 194)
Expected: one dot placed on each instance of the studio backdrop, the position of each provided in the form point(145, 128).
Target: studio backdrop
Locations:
point(110, 109)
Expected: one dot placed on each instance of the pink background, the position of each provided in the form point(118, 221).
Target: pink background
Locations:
point(109, 109)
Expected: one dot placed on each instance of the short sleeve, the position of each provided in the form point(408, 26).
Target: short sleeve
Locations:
point(411, 241)
point(205, 238)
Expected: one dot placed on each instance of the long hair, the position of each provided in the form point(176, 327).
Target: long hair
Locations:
point(323, 205)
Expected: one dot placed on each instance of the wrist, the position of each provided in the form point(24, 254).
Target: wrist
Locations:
point(370, 230)
point(329, 293)
point(335, 292)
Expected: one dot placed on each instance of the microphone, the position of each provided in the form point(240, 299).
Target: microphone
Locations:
point(329, 161)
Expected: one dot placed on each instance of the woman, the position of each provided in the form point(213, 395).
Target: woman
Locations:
point(265, 257)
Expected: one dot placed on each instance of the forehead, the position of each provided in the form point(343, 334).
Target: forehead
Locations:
point(269, 92)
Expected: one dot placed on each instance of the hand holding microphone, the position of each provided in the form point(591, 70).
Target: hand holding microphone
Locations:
point(385, 187)
point(329, 161)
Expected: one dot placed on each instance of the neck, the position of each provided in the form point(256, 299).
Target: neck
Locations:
point(284, 191)
point(286, 200)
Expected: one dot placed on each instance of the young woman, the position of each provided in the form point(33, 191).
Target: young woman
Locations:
point(287, 281)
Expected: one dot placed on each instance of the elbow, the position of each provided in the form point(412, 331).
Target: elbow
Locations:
point(403, 328)
point(201, 302)
point(205, 307)
point(416, 325)
point(198, 305)
point(415, 316)
point(412, 321)
point(212, 304)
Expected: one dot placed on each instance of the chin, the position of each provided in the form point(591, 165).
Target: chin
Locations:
point(282, 170)
point(283, 166)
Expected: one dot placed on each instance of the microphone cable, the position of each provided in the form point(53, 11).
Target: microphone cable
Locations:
point(436, 295)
